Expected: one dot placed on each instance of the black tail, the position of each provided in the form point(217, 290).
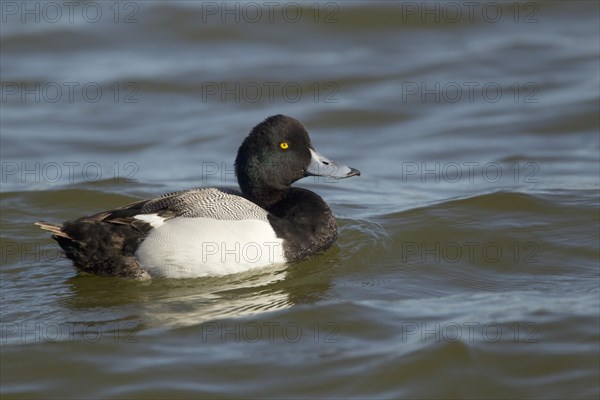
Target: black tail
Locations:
point(98, 247)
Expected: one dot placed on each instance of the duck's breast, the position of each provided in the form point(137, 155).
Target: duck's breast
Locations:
point(195, 247)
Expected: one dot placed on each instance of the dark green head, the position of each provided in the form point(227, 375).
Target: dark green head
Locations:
point(276, 153)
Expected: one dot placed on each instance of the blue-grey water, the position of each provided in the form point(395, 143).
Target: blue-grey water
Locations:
point(467, 264)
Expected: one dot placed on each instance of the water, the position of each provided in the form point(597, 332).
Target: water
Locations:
point(467, 264)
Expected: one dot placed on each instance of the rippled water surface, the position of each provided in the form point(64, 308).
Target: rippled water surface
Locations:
point(467, 264)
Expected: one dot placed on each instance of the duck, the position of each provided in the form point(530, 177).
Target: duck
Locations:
point(216, 231)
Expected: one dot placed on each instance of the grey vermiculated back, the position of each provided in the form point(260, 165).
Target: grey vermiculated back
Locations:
point(217, 203)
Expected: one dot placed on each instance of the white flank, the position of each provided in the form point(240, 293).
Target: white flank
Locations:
point(153, 219)
point(196, 247)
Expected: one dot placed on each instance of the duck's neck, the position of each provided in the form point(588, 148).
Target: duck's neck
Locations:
point(267, 197)
point(254, 181)
point(264, 194)
point(304, 216)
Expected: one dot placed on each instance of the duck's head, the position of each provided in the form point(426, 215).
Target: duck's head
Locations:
point(276, 153)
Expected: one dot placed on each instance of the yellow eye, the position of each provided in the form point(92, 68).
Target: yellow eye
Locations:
point(284, 145)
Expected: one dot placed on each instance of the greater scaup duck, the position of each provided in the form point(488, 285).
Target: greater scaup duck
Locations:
point(216, 231)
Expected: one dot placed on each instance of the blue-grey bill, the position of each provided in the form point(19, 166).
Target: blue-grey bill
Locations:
point(322, 166)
